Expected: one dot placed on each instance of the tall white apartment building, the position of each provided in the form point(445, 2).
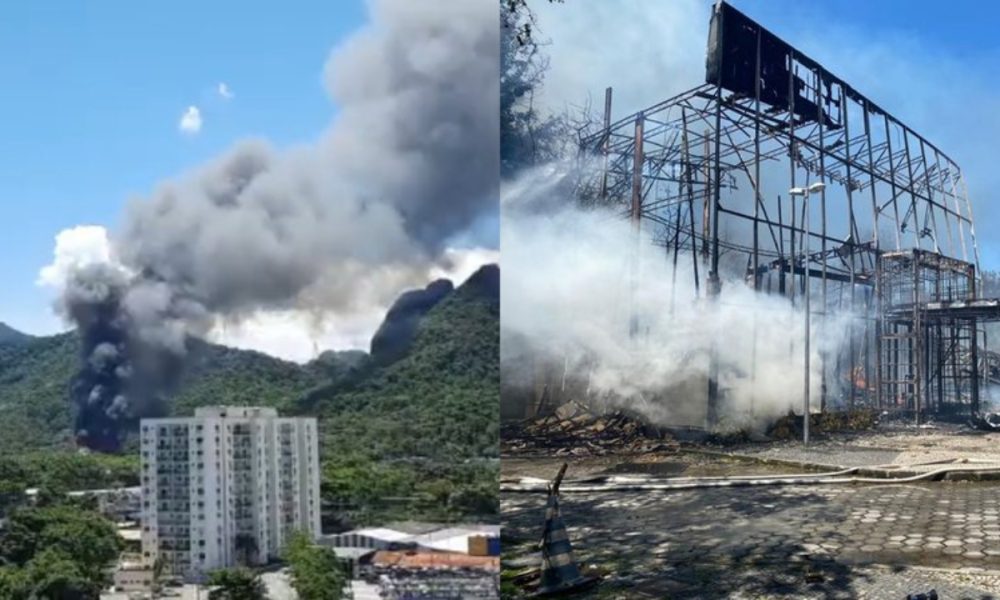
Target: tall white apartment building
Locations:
point(225, 487)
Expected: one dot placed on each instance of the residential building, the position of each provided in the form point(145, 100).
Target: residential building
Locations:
point(227, 486)
point(131, 575)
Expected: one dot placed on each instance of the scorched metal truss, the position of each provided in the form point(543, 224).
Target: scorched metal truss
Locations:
point(711, 168)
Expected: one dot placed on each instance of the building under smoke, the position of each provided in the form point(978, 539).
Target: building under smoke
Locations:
point(878, 237)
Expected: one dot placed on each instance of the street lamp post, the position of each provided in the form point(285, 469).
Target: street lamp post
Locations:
point(804, 192)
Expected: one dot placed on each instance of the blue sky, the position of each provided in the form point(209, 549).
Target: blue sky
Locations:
point(93, 93)
point(963, 28)
point(932, 66)
point(92, 97)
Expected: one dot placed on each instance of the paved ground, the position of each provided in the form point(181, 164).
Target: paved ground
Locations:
point(362, 590)
point(815, 542)
point(898, 445)
point(664, 464)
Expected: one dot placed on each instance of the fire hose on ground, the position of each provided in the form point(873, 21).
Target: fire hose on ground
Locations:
point(619, 483)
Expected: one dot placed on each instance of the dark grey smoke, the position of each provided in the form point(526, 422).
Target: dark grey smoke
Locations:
point(128, 366)
point(396, 332)
point(410, 161)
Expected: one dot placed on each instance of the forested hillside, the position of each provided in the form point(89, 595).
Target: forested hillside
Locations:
point(414, 438)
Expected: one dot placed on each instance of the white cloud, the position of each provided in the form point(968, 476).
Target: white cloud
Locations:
point(224, 91)
point(190, 122)
point(75, 247)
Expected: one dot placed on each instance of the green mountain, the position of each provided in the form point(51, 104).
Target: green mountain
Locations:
point(12, 337)
point(35, 411)
point(416, 437)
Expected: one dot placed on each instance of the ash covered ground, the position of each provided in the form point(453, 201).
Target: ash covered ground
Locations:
point(880, 539)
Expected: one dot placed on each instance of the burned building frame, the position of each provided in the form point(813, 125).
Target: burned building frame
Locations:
point(710, 170)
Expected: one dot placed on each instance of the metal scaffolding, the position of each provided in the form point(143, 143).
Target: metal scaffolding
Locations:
point(710, 170)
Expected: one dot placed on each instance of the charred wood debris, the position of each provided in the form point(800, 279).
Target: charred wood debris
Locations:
point(573, 430)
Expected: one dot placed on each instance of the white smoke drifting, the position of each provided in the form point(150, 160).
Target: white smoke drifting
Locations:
point(567, 298)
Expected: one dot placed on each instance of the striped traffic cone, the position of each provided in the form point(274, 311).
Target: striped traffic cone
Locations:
point(559, 570)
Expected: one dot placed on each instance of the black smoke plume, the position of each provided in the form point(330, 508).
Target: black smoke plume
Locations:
point(409, 163)
point(128, 367)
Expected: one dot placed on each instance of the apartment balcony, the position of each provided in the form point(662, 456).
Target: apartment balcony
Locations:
point(174, 546)
point(175, 530)
point(176, 482)
point(172, 519)
point(173, 496)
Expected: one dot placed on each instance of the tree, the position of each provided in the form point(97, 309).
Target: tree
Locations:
point(526, 136)
point(158, 567)
point(236, 584)
point(54, 575)
point(316, 572)
point(14, 583)
point(58, 552)
point(87, 537)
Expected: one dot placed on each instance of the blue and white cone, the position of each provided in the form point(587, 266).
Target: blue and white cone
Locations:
point(559, 570)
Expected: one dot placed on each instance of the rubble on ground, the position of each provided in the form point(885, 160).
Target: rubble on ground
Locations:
point(575, 431)
point(986, 421)
point(790, 426)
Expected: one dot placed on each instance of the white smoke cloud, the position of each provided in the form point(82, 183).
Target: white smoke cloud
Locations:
point(224, 92)
point(457, 264)
point(648, 51)
point(75, 248)
point(190, 122)
point(567, 296)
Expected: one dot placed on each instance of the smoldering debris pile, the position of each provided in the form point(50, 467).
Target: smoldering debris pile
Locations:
point(575, 431)
point(790, 426)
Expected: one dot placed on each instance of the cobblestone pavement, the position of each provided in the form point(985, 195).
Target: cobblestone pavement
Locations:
point(785, 542)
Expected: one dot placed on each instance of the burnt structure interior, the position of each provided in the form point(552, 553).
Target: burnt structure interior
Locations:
point(890, 240)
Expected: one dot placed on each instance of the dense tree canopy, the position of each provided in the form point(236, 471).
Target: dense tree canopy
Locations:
point(236, 584)
point(59, 551)
point(316, 573)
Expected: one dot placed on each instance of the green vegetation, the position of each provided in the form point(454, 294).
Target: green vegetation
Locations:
point(10, 336)
point(59, 472)
point(236, 584)
point(316, 573)
point(34, 390)
point(58, 551)
point(414, 439)
point(420, 436)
